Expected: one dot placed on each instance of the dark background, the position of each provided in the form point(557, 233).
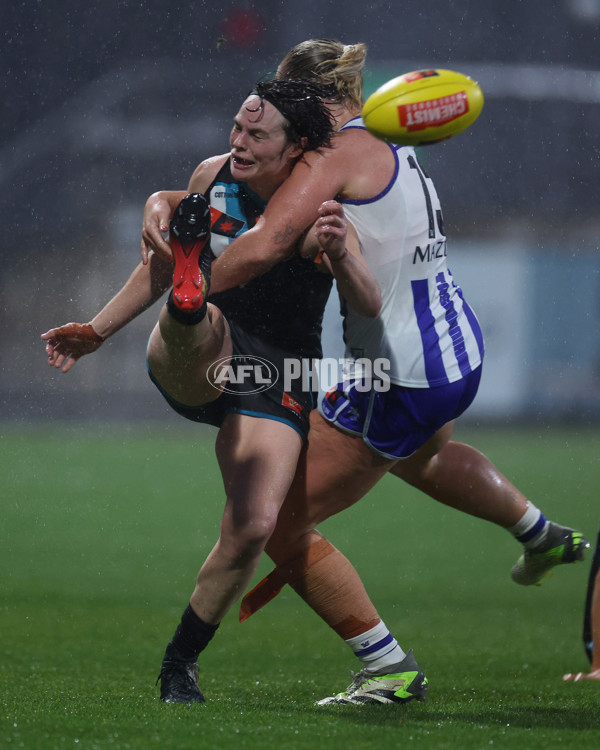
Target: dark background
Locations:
point(104, 103)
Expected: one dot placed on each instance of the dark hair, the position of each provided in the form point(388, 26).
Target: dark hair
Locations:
point(302, 105)
point(330, 63)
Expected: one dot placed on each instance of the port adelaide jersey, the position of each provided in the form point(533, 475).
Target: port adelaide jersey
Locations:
point(425, 329)
point(283, 306)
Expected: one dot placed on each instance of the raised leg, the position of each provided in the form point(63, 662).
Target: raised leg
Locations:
point(180, 355)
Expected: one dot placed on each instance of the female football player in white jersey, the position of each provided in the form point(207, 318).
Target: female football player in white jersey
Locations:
point(434, 345)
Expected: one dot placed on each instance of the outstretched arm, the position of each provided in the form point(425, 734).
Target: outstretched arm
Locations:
point(68, 343)
point(148, 282)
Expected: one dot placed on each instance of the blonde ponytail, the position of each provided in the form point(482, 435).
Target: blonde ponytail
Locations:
point(329, 63)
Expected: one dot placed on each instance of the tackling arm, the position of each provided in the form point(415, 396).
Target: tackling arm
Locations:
point(317, 177)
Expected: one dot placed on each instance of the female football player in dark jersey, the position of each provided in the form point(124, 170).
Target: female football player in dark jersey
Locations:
point(275, 318)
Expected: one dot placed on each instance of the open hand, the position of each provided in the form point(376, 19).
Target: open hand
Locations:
point(66, 344)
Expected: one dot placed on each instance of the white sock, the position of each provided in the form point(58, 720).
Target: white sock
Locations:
point(532, 528)
point(377, 649)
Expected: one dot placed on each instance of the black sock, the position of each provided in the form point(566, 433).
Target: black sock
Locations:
point(182, 316)
point(191, 637)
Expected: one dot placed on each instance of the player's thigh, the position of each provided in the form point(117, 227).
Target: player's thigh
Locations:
point(258, 458)
point(334, 472)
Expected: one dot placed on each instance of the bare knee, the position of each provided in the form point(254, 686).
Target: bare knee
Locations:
point(422, 465)
point(415, 473)
point(283, 545)
point(243, 543)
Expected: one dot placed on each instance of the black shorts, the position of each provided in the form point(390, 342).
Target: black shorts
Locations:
point(255, 385)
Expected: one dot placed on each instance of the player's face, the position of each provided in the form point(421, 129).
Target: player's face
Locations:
point(261, 153)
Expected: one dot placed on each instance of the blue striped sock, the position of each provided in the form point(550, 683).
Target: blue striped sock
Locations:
point(532, 528)
point(377, 649)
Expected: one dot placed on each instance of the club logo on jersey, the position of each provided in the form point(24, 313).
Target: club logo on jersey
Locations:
point(291, 403)
point(242, 374)
point(221, 223)
point(434, 112)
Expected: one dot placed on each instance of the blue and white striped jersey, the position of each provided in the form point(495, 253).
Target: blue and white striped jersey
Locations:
point(425, 328)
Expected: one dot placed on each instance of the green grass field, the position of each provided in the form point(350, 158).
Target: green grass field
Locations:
point(103, 530)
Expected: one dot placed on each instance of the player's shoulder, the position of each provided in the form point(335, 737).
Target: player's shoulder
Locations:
point(358, 137)
point(351, 150)
point(206, 172)
point(349, 140)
